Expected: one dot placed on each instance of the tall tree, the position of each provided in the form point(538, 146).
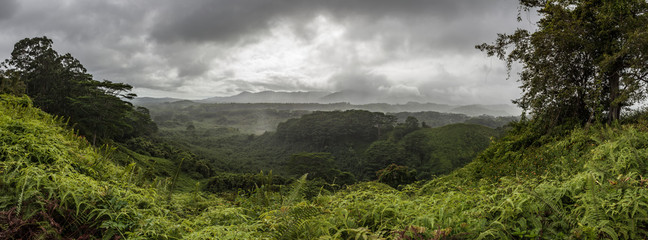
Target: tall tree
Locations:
point(586, 60)
point(381, 154)
point(10, 83)
point(59, 84)
point(317, 165)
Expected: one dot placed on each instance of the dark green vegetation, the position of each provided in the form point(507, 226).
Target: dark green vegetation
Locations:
point(257, 118)
point(559, 174)
point(220, 136)
point(60, 85)
point(586, 61)
point(56, 184)
point(336, 147)
point(585, 184)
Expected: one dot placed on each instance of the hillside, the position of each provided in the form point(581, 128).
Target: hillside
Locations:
point(586, 184)
point(269, 97)
point(257, 118)
point(54, 184)
point(440, 150)
point(360, 143)
point(360, 99)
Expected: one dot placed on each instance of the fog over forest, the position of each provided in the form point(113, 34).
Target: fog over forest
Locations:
point(323, 119)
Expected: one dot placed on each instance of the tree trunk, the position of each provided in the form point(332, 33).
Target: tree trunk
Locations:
point(615, 107)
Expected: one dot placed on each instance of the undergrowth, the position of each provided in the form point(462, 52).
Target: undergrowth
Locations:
point(586, 184)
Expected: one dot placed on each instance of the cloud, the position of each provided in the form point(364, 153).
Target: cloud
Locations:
point(361, 86)
point(358, 81)
point(7, 8)
point(200, 21)
point(401, 90)
point(227, 21)
point(210, 47)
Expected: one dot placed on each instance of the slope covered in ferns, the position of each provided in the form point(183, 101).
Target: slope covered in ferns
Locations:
point(584, 184)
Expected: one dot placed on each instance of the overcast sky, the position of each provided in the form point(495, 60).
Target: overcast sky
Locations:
point(205, 48)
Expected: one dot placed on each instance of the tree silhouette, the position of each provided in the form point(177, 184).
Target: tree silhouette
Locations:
point(587, 59)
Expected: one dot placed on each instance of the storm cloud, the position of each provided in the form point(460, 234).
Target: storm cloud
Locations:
point(205, 48)
point(7, 8)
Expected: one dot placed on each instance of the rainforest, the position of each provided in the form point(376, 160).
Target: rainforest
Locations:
point(87, 159)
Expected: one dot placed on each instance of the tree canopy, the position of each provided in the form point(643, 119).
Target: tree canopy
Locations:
point(60, 84)
point(330, 128)
point(586, 61)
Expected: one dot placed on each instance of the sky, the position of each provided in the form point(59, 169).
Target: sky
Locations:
point(196, 49)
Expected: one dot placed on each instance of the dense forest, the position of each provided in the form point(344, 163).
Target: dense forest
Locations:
point(80, 161)
point(257, 118)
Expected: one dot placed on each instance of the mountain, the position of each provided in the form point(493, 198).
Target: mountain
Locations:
point(269, 97)
point(363, 97)
point(354, 100)
point(349, 96)
point(493, 110)
point(151, 100)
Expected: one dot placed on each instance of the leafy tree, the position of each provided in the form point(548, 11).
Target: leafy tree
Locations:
point(317, 165)
point(394, 175)
point(10, 83)
point(585, 62)
point(416, 145)
point(59, 84)
point(334, 128)
point(382, 153)
point(411, 124)
point(435, 151)
point(140, 122)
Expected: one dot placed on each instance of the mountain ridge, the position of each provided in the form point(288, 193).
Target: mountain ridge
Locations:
point(326, 98)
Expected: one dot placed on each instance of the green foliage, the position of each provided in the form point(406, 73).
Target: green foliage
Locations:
point(217, 148)
point(54, 184)
point(316, 165)
point(575, 183)
point(258, 118)
point(60, 85)
point(35, 165)
point(588, 181)
point(10, 83)
point(333, 128)
point(430, 151)
point(586, 184)
point(395, 175)
point(584, 61)
point(381, 154)
point(436, 151)
point(492, 122)
point(224, 181)
point(411, 124)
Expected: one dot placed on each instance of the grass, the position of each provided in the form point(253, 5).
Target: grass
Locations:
point(586, 184)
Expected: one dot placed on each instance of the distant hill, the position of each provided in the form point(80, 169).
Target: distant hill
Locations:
point(348, 96)
point(343, 100)
point(361, 97)
point(493, 110)
point(269, 97)
point(150, 100)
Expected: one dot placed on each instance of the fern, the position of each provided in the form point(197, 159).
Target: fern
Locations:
point(298, 222)
point(587, 184)
point(295, 192)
